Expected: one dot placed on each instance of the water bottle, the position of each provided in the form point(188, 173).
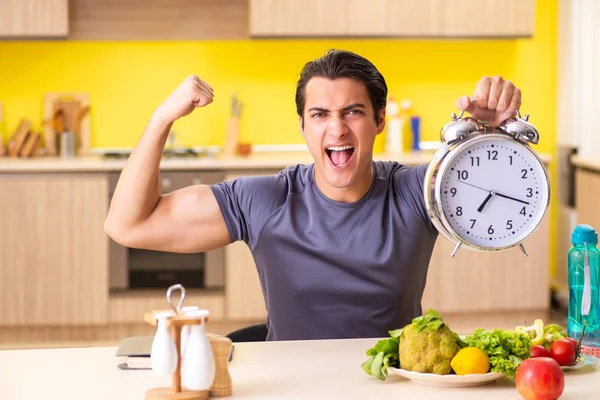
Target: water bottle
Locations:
point(584, 264)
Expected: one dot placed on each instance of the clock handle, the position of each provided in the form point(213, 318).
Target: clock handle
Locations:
point(523, 249)
point(454, 117)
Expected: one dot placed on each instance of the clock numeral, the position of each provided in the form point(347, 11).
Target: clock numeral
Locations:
point(510, 159)
point(524, 172)
point(509, 224)
point(459, 211)
point(462, 174)
point(522, 212)
point(529, 192)
point(492, 155)
point(491, 230)
point(453, 191)
point(473, 222)
point(475, 161)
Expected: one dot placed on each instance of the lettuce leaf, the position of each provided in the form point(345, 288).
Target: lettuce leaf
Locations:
point(383, 355)
point(430, 319)
point(505, 349)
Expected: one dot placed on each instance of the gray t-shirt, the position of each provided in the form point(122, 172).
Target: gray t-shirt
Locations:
point(330, 269)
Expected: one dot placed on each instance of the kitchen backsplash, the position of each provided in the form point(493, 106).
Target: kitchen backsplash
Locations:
point(126, 81)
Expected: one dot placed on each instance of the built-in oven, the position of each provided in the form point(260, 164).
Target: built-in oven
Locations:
point(132, 268)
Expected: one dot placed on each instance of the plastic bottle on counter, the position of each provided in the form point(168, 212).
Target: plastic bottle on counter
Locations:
point(584, 280)
point(393, 135)
point(416, 130)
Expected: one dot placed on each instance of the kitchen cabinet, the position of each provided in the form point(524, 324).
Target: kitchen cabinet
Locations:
point(159, 20)
point(587, 193)
point(34, 18)
point(54, 268)
point(392, 18)
point(478, 282)
point(54, 278)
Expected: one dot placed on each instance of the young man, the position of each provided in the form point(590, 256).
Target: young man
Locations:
point(342, 246)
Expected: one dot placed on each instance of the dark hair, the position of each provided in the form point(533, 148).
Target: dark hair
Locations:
point(344, 64)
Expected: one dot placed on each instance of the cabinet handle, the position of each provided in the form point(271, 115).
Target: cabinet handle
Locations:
point(165, 183)
point(197, 181)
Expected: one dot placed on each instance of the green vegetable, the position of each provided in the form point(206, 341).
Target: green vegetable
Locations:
point(536, 331)
point(542, 335)
point(428, 345)
point(431, 320)
point(383, 355)
point(505, 349)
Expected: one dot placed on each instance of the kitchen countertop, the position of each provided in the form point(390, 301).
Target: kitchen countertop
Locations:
point(256, 161)
point(320, 369)
point(586, 163)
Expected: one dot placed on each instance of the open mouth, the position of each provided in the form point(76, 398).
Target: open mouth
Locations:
point(340, 156)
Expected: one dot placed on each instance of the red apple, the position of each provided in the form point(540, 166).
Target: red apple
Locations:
point(540, 379)
point(539, 351)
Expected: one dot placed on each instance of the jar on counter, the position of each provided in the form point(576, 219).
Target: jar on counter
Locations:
point(67, 144)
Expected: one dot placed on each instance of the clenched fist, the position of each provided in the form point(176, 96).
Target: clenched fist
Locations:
point(495, 100)
point(191, 93)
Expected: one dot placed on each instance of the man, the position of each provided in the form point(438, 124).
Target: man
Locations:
point(342, 246)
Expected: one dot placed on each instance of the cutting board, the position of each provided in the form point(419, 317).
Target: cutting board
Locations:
point(16, 142)
point(76, 119)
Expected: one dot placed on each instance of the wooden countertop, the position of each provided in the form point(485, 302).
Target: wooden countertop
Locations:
point(257, 161)
point(586, 163)
point(328, 369)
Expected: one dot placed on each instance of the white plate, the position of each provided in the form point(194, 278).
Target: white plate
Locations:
point(584, 360)
point(449, 380)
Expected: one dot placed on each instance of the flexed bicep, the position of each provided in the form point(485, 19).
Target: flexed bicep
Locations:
point(188, 220)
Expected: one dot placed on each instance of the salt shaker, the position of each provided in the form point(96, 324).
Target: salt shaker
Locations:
point(198, 362)
point(185, 330)
point(163, 354)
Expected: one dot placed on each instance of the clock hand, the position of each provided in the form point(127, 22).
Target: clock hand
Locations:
point(489, 196)
point(496, 193)
point(477, 187)
point(491, 193)
point(512, 198)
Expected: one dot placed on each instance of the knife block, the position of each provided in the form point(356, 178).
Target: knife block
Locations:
point(75, 111)
point(221, 347)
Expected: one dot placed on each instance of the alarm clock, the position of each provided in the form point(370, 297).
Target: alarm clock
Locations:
point(485, 188)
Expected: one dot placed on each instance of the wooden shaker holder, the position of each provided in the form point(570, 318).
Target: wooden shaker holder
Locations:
point(221, 347)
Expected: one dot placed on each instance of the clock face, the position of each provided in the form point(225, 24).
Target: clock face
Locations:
point(494, 193)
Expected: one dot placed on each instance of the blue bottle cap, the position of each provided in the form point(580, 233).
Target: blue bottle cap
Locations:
point(584, 234)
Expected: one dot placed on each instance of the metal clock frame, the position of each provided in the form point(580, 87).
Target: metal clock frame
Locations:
point(438, 168)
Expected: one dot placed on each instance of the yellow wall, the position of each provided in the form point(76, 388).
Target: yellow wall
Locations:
point(127, 80)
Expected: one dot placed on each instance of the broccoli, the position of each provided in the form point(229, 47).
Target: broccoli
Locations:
point(427, 345)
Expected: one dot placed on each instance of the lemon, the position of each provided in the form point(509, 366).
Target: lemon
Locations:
point(470, 360)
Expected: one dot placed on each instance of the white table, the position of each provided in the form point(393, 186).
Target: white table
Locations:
point(272, 370)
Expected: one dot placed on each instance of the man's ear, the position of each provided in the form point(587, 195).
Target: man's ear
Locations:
point(381, 123)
